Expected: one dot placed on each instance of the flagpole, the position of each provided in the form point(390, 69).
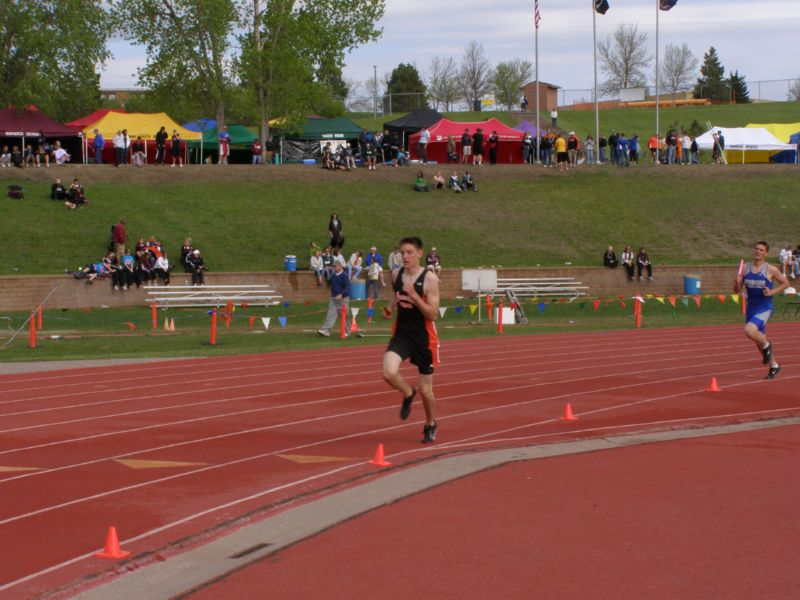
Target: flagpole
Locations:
point(596, 102)
point(658, 158)
point(536, 53)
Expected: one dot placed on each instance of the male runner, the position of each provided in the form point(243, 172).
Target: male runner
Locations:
point(416, 297)
point(757, 282)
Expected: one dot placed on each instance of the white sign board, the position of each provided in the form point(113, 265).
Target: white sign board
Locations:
point(473, 280)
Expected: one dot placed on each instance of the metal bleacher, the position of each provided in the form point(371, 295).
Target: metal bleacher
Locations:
point(183, 296)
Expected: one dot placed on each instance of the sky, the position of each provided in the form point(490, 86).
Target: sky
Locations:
point(756, 37)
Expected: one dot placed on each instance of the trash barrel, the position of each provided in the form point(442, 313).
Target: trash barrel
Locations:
point(358, 290)
point(691, 285)
point(291, 262)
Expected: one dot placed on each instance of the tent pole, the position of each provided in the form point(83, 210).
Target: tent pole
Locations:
point(658, 158)
point(596, 100)
point(536, 54)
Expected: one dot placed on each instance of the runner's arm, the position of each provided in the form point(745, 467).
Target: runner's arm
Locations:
point(430, 305)
point(783, 283)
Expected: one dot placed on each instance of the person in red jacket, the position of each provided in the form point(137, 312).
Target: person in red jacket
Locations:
point(119, 237)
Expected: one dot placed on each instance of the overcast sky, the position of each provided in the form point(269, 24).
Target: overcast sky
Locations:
point(756, 37)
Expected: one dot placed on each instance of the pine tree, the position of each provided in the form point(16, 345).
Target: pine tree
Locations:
point(405, 80)
point(712, 85)
point(739, 92)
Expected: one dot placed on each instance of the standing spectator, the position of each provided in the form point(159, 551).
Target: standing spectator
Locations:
point(528, 150)
point(98, 145)
point(340, 298)
point(452, 155)
point(719, 148)
point(433, 262)
point(120, 238)
point(652, 145)
point(224, 140)
point(374, 276)
point(119, 148)
point(686, 142)
point(610, 258)
point(257, 152)
point(395, 259)
point(386, 153)
point(786, 257)
point(394, 147)
point(588, 149)
point(318, 267)
point(672, 146)
point(796, 262)
point(161, 145)
point(622, 153)
point(546, 144)
point(422, 145)
point(613, 147)
point(554, 118)
point(335, 230)
point(268, 151)
point(176, 148)
point(466, 146)
point(602, 144)
point(573, 145)
point(492, 143)
point(643, 264)
point(694, 149)
point(477, 147)
point(561, 154)
point(139, 152)
point(627, 261)
point(633, 149)
point(355, 264)
point(678, 149)
point(198, 266)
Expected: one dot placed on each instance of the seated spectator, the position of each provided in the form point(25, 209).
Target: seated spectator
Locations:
point(5, 157)
point(29, 158)
point(369, 153)
point(186, 251)
point(145, 262)
point(395, 259)
point(42, 156)
point(468, 182)
point(75, 196)
point(627, 261)
point(796, 265)
point(125, 276)
point(349, 159)
point(433, 262)
point(100, 270)
point(161, 269)
point(318, 267)
point(198, 268)
point(339, 161)
point(327, 157)
point(419, 183)
point(313, 248)
point(58, 191)
point(355, 265)
point(643, 264)
point(155, 247)
point(402, 158)
point(60, 155)
point(610, 258)
point(327, 264)
point(786, 257)
point(338, 258)
point(453, 184)
point(16, 157)
point(139, 152)
point(438, 181)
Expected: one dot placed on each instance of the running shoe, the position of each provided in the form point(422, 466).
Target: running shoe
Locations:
point(324, 332)
point(773, 371)
point(405, 408)
point(429, 433)
point(767, 353)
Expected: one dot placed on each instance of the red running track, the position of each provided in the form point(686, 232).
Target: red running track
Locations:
point(232, 435)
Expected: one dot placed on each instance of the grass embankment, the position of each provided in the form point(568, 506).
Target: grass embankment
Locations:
point(105, 333)
point(249, 218)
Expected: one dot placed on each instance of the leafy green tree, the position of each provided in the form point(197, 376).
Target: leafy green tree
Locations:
point(711, 84)
point(739, 92)
point(509, 77)
point(695, 129)
point(407, 89)
point(51, 50)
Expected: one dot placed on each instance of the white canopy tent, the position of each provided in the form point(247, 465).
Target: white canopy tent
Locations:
point(740, 141)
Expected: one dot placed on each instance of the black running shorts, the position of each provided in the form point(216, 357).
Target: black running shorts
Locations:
point(420, 355)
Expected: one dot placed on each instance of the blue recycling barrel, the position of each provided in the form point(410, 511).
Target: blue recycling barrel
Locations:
point(691, 285)
point(291, 262)
point(358, 290)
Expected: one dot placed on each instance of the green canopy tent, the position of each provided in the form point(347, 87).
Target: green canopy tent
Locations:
point(241, 139)
point(307, 144)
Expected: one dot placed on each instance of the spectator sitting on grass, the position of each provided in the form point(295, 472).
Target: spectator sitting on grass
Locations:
point(402, 157)
point(468, 182)
point(453, 184)
point(16, 157)
point(76, 196)
point(419, 183)
point(58, 191)
point(438, 181)
point(318, 267)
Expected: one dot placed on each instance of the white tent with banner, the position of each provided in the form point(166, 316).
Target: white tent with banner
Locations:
point(745, 144)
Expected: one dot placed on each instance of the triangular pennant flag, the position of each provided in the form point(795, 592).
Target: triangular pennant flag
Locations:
point(286, 304)
point(473, 308)
point(354, 311)
point(131, 326)
point(639, 299)
point(660, 299)
point(697, 300)
point(722, 298)
point(459, 309)
point(265, 321)
point(562, 300)
point(244, 305)
point(541, 307)
point(442, 310)
point(370, 312)
point(672, 300)
point(250, 322)
point(648, 296)
point(622, 303)
point(596, 304)
point(282, 321)
point(685, 300)
point(735, 298)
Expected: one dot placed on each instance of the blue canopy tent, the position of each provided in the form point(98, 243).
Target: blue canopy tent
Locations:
point(527, 127)
point(201, 125)
point(787, 157)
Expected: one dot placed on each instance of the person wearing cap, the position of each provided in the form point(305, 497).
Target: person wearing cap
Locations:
point(98, 144)
point(433, 261)
point(198, 267)
point(573, 145)
point(374, 263)
point(340, 298)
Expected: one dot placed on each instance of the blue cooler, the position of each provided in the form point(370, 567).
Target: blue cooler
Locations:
point(691, 285)
point(358, 290)
point(291, 263)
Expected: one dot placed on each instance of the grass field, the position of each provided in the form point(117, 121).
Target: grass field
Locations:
point(247, 218)
point(105, 333)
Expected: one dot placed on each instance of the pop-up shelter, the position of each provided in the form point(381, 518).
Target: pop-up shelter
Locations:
point(307, 145)
point(527, 127)
point(201, 125)
point(509, 148)
point(745, 144)
point(241, 139)
point(94, 117)
point(782, 131)
point(413, 122)
point(29, 124)
point(144, 125)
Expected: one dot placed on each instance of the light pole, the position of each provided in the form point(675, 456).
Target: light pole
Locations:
point(375, 91)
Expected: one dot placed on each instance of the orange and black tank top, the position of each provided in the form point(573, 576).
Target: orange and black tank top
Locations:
point(411, 324)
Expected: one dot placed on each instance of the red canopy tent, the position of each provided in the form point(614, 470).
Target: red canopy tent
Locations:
point(509, 149)
point(31, 123)
point(93, 118)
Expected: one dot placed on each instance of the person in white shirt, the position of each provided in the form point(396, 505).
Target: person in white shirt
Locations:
point(61, 155)
point(161, 269)
point(375, 278)
point(554, 118)
point(317, 266)
point(338, 258)
point(422, 145)
point(686, 143)
point(120, 148)
point(396, 258)
point(787, 259)
point(355, 265)
point(627, 261)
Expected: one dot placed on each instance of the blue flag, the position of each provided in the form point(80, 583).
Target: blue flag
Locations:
point(601, 6)
point(667, 4)
point(282, 321)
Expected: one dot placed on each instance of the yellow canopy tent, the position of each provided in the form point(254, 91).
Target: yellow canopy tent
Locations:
point(145, 125)
point(782, 131)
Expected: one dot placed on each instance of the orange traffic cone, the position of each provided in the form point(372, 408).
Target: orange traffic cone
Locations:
point(112, 549)
point(568, 416)
point(166, 324)
point(713, 387)
point(379, 459)
point(172, 324)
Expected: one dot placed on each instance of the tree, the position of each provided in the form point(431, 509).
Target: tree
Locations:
point(403, 81)
point(509, 77)
point(444, 87)
point(711, 84)
point(794, 91)
point(624, 58)
point(678, 68)
point(475, 73)
point(738, 92)
point(51, 51)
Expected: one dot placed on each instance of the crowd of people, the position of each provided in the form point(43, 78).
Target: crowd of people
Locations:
point(73, 196)
point(43, 153)
point(636, 266)
point(454, 182)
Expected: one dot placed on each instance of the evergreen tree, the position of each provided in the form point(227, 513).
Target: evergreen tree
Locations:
point(712, 85)
point(739, 92)
point(405, 80)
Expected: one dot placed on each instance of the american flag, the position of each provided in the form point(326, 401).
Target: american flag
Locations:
point(536, 16)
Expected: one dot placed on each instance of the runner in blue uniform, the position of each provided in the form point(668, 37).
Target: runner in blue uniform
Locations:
point(758, 283)
point(414, 336)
